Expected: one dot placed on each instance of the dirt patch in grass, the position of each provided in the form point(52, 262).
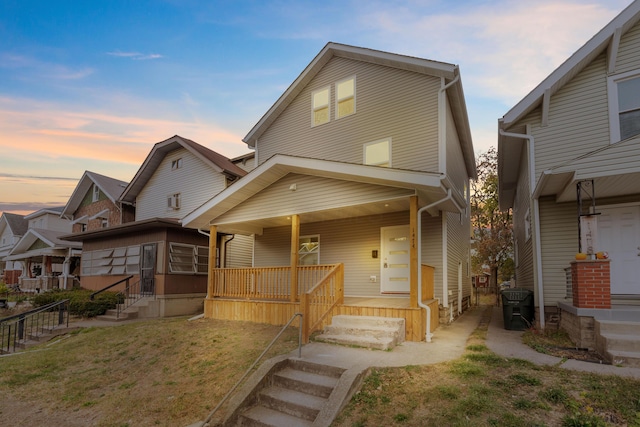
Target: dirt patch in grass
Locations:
point(168, 372)
point(557, 343)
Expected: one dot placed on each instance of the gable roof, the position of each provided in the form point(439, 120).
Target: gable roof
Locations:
point(217, 161)
point(609, 36)
point(55, 245)
point(510, 147)
point(450, 72)
point(428, 185)
point(16, 223)
point(111, 187)
point(57, 210)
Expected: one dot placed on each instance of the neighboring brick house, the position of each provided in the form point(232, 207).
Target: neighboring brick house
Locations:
point(94, 203)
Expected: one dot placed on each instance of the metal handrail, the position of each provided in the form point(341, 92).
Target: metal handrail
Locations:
point(19, 327)
point(131, 295)
point(126, 279)
point(224, 399)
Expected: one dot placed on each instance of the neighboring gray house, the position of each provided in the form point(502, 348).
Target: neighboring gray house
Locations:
point(44, 257)
point(12, 228)
point(362, 166)
point(569, 167)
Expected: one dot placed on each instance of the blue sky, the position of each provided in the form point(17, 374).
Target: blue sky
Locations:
point(92, 85)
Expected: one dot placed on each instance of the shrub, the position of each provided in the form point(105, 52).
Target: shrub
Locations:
point(80, 303)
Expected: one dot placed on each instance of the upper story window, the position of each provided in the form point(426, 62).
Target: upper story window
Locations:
point(104, 223)
point(320, 106)
point(378, 153)
point(173, 201)
point(345, 97)
point(624, 105)
point(176, 164)
point(96, 193)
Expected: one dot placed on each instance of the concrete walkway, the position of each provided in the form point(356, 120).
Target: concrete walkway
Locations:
point(449, 343)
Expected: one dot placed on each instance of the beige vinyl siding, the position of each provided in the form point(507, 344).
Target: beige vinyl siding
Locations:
point(349, 241)
point(432, 249)
point(311, 194)
point(456, 169)
point(628, 58)
point(524, 250)
point(393, 103)
point(246, 164)
point(559, 244)
point(578, 119)
point(240, 252)
point(196, 182)
point(458, 235)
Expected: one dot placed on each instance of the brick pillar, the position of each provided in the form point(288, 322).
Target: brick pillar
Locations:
point(591, 283)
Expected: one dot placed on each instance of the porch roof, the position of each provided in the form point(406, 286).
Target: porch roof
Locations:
point(428, 186)
point(615, 170)
point(54, 246)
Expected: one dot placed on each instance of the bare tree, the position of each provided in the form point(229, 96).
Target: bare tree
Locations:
point(492, 228)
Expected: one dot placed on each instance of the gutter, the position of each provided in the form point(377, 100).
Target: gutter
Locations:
point(428, 334)
point(535, 208)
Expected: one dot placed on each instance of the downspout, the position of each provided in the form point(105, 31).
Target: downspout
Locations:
point(65, 268)
point(536, 218)
point(428, 334)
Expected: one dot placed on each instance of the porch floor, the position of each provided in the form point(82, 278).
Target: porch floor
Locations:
point(388, 302)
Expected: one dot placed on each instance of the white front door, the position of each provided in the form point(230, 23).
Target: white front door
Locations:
point(395, 245)
point(619, 235)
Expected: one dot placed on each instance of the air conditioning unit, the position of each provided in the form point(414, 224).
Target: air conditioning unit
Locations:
point(173, 201)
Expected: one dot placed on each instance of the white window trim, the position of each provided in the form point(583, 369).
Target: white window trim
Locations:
point(96, 193)
point(316, 250)
point(337, 100)
point(614, 114)
point(176, 163)
point(364, 151)
point(314, 108)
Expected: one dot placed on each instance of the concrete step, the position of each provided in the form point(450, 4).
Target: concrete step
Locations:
point(382, 333)
point(112, 315)
point(624, 358)
point(291, 402)
point(292, 395)
point(618, 341)
point(260, 416)
point(617, 327)
point(377, 343)
point(306, 382)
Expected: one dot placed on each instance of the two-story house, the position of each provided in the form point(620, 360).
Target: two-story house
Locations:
point(569, 167)
point(94, 203)
point(151, 252)
point(12, 228)
point(46, 260)
point(358, 203)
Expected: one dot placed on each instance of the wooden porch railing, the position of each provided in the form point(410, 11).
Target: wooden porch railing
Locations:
point(265, 283)
point(318, 301)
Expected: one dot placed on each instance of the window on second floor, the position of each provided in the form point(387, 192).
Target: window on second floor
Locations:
point(320, 106)
point(378, 153)
point(176, 164)
point(345, 97)
point(624, 105)
point(96, 193)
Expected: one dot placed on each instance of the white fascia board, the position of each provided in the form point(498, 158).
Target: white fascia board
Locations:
point(280, 165)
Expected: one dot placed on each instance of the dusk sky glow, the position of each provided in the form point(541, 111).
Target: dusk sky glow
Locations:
point(88, 85)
